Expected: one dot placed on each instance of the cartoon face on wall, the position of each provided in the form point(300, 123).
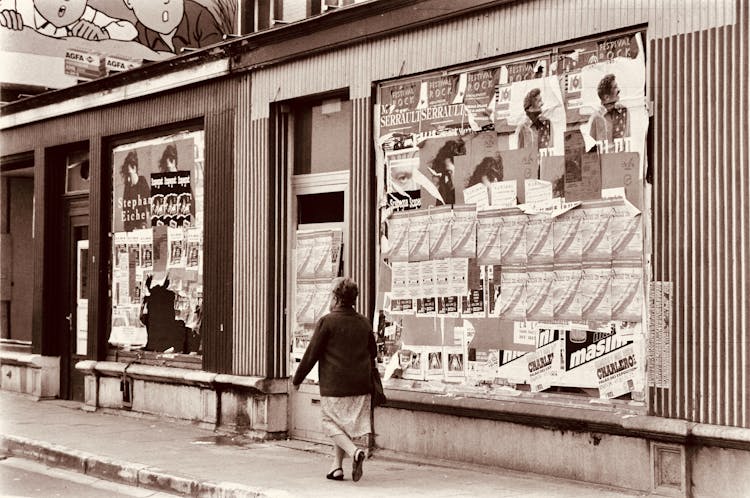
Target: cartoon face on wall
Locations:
point(61, 12)
point(66, 35)
point(162, 16)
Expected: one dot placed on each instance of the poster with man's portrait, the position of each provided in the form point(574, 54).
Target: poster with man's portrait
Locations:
point(534, 114)
point(613, 102)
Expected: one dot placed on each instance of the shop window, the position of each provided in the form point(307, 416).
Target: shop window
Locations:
point(512, 225)
point(326, 207)
point(77, 171)
point(322, 133)
point(157, 244)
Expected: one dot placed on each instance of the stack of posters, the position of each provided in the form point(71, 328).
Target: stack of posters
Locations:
point(511, 204)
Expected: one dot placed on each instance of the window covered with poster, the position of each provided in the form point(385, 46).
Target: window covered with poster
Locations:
point(157, 244)
point(511, 225)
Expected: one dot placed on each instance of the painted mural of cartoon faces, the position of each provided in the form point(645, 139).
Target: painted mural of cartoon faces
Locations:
point(162, 16)
point(61, 12)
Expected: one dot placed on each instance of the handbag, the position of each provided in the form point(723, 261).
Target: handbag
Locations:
point(378, 396)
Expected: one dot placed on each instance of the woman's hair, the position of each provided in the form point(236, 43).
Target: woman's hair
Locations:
point(604, 88)
point(170, 152)
point(449, 150)
point(491, 167)
point(528, 101)
point(130, 160)
point(345, 291)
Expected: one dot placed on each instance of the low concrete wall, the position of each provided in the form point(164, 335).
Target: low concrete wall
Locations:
point(582, 456)
point(32, 374)
point(720, 472)
point(614, 447)
point(253, 405)
point(193, 403)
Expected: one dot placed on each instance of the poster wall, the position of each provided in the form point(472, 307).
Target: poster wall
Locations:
point(511, 232)
point(157, 243)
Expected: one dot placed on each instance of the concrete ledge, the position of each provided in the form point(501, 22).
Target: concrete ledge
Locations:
point(721, 436)
point(170, 375)
point(31, 374)
point(28, 360)
point(133, 474)
point(248, 404)
point(16, 346)
point(149, 373)
point(182, 376)
point(578, 418)
point(259, 384)
point(16, 358)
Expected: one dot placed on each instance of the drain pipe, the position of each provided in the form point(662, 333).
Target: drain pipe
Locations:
point(126, 384)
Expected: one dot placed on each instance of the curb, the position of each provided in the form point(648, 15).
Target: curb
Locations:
point(133, 474)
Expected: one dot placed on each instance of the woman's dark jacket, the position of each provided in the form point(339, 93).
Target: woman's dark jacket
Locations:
point(344, 347)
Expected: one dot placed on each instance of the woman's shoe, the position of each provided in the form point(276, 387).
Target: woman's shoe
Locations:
point(336, 474)
point(357, 461)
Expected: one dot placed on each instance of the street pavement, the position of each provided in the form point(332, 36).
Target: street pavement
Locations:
point(179, 457)
point(26, 478)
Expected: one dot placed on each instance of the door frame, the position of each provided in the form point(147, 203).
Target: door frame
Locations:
point(304, 405)
point(75, 215)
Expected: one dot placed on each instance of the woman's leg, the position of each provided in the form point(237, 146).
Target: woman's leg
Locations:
point(338, 457)
point(343, 443)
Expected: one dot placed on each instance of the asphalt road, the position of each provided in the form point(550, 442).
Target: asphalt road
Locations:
point(24, 478)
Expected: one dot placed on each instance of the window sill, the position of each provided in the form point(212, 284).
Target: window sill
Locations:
point(174, 360)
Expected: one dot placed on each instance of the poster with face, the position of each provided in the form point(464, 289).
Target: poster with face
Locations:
point(613, 97)
point(444, 163)
point(570, 61)
point(157, 202)
point(155, 182)
point(534, 115)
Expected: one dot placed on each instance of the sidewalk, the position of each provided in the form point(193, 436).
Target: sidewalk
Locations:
point(181, 458)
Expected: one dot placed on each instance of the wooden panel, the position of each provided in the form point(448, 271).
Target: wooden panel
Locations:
point(99, 223)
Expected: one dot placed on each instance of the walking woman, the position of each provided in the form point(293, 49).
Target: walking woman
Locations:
point(343, 345)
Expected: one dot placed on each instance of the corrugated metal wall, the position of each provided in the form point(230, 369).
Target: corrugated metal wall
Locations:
point(260, 247)
point(252, 238)
point(701, 228)
point(212, 102)
point(698, 82)
point(505, 30)
point(218, 241)
point(361, 251)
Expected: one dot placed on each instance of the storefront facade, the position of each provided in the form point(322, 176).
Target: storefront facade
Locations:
point(298, 158)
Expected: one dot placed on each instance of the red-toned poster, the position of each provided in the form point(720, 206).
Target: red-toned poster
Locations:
point(441, 103)
point(398, 108)
point(479, 100)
